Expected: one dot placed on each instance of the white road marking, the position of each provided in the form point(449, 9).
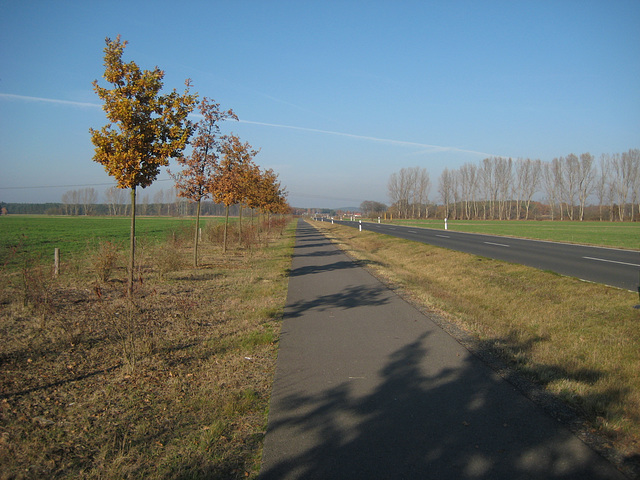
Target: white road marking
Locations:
point(412, 231)
point(497, 244)
point(611, 261)
point(443, 236)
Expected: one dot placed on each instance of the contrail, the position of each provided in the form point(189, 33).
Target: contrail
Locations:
point(437, 148)
point(430, 148)
point(10, 96)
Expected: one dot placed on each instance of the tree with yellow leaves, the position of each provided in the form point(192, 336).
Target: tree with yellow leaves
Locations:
point(234, 177)
point(269, 196)
point(195, 180)
point(146, 128)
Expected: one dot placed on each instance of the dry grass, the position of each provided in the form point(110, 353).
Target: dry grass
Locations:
point(580, 341)
point(173, 383)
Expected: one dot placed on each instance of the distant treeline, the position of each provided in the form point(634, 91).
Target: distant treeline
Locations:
point(179, 208)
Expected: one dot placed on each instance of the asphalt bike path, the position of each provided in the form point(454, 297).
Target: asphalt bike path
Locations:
point(368, 387)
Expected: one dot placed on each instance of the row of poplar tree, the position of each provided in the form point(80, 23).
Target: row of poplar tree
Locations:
point(503, 188)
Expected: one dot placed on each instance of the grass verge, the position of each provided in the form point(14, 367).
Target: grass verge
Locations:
point(579, 341)
point(173, 383)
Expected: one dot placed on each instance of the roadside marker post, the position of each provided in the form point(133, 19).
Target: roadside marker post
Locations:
point(445, 224)
point(360, 226)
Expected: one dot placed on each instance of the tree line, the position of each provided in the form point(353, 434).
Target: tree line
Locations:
point(147, 128)
point(504, 189)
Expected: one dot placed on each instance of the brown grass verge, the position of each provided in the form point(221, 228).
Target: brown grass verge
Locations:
point(579, 341)
point(172, 383)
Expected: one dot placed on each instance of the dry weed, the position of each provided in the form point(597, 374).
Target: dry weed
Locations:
point(172, 383)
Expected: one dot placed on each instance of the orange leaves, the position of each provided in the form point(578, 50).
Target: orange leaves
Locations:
point(195, 180)
point(240, 180)
point(146, 128)
point(236, 172)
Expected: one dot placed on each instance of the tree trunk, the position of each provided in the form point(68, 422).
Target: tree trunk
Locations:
point(240, 227)
point(226, 224)
point(132, 253)
point(195, 240)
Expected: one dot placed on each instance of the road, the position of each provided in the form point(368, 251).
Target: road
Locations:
point(609, 266)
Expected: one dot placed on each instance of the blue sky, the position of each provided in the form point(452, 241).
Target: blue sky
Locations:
point(337, 95)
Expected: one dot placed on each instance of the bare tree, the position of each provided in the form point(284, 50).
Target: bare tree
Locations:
point(158, 201)
point(571, 181)
point(467, 176)
point(503, 177)
point(602, 182)
point(586, 176)
point(88, 197)
point(399, 188)
point(71, 202)
point(634, 159)
point(622, 172)
point(446, 188)
point(420, 184)
point(117, 200)
point(66, 202)
point(489, 184)
point(528, 174)
point(552, 182)
point(369, 208)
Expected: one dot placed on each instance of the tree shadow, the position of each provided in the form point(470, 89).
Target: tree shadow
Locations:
point(330, 267)
point(320, 253)
point(351, 297)
point(421, 421)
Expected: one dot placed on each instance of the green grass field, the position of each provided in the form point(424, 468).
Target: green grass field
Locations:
point(607, 234)
point(36, 236)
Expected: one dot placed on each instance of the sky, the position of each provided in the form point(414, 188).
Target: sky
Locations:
point(337, 95)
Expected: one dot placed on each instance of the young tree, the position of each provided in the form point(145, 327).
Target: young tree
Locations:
point(194, 181)
point(145, 129)
point(231, 181)
point(268, 194)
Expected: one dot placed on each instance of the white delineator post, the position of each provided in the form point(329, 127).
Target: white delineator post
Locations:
point(445, 224)
point(360, 226)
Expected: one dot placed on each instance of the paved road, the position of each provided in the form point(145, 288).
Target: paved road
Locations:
point(609, 266)
point(367, 387)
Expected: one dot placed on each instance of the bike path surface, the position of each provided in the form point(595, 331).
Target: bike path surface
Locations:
point(368, 387)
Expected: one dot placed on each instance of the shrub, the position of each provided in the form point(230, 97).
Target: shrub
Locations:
point(105, 260)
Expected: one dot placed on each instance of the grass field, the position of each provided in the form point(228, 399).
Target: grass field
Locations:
point(38, 235)
point(578, 341)
point(172, 382)
point(608, 234)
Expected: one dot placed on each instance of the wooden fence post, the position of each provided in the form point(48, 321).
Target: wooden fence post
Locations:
point(56, 261)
